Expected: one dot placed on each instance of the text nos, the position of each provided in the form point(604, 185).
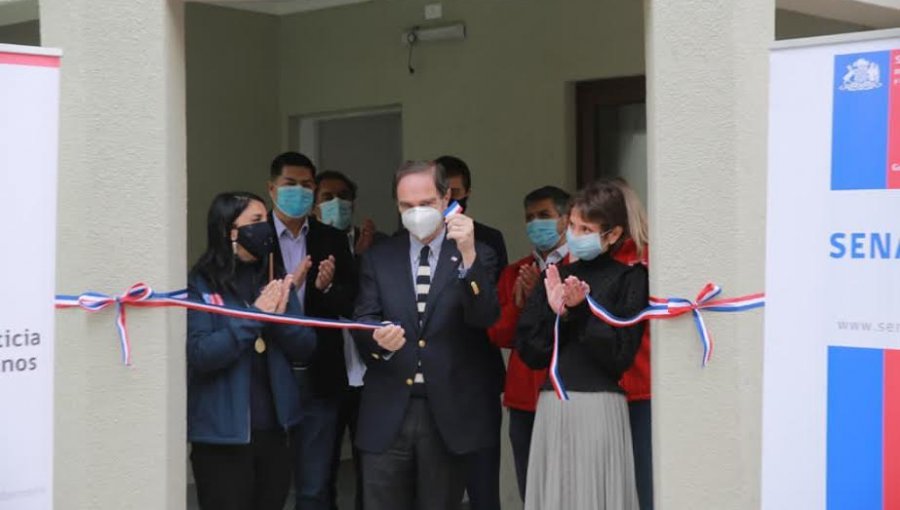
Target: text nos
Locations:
point(18, 365)
point(865, 245)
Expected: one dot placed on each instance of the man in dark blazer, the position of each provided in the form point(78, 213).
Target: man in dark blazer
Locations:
point(430, 386)
point(459, 178)
point(326, 285)
point(483, 479)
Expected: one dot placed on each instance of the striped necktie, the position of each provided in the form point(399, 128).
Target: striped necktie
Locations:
point(423, 281)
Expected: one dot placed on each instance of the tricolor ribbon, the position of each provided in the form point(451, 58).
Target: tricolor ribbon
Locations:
point(141, 295)
point(453, 208)
point(706, 301)
point(663, 309)
point(553, 371)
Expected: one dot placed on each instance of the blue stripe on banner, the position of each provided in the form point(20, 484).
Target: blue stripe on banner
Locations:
point(855, 425)
point(860, 121)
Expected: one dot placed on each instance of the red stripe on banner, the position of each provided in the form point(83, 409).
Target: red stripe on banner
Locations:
point(22, 59)
point(891, 456)
point(893, 159)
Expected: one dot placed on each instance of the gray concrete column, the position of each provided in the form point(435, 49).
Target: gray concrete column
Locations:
point(707, 70)
point(120, 431)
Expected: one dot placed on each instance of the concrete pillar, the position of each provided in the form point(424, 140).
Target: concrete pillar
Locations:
point(120, 432)
point(707, 70)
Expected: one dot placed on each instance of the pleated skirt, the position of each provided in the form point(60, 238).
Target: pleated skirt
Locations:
point(581, 456)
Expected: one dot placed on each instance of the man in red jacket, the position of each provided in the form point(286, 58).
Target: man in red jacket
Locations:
point(546, 218)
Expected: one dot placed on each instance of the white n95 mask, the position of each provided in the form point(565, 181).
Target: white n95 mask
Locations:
point(421, 221)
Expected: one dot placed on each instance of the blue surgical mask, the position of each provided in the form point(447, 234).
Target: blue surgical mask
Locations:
point(585, 246)
point(336, 212)
point(294, 201)
point(543, 233)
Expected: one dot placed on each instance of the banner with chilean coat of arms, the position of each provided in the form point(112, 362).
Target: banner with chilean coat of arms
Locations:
point(831, 399)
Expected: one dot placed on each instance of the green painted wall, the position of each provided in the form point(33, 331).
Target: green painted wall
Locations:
point(791, 25)
point(501, 99)
point(232, 107)
point(27, 33)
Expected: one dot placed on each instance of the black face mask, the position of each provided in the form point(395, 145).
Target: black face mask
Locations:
point(257, 238)
point(464, 203)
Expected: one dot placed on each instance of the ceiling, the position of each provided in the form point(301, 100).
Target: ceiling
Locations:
point(281, 7)
point(869, 13)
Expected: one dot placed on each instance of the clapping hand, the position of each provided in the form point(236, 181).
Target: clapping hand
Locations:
point(564, 294)
point(326, 273)
point(366, 237)
point(576, 291)
point(556, 290)
point(298, 276)
point(525, 283)
point(274, 296)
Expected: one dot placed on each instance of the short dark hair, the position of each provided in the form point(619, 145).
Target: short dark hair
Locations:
point(455, 167)
point(561, 199)
point(334, 175)
point(603, 203)
point(290, 159)
point(420, 167)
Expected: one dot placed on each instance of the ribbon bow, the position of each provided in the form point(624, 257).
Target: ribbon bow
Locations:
point(95, 301)
point(706, 301)
point(680, 306)
point(676, 307)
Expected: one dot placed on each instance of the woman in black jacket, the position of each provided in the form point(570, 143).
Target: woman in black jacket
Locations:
point(581, 456)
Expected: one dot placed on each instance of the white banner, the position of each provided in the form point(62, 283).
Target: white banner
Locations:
point(29, 109)
point(831, 411)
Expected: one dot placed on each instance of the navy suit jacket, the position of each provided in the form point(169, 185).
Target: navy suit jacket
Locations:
point(458, 359)
point(219, 359)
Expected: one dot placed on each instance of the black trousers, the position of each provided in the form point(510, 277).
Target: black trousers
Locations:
point(639, 412)
point(417, 471)
point(521, 424)
point(348, 417)
point(483, 477)
point(255, 476)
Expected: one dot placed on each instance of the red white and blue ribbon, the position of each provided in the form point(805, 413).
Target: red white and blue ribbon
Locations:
point(553, 371)
point(664, 309)
point(141, 295)
point(706, 301)
point(453, 208)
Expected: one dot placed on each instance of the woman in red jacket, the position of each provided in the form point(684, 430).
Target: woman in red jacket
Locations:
point(636, 381)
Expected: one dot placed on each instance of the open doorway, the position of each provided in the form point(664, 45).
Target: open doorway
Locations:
point(612, 131)
point(366, 145)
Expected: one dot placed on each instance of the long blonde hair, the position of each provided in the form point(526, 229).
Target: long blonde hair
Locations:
point(637, 216)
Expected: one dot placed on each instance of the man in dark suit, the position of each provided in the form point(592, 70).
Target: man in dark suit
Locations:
point(483, 479)
point(326, 285)
point(428, 399)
